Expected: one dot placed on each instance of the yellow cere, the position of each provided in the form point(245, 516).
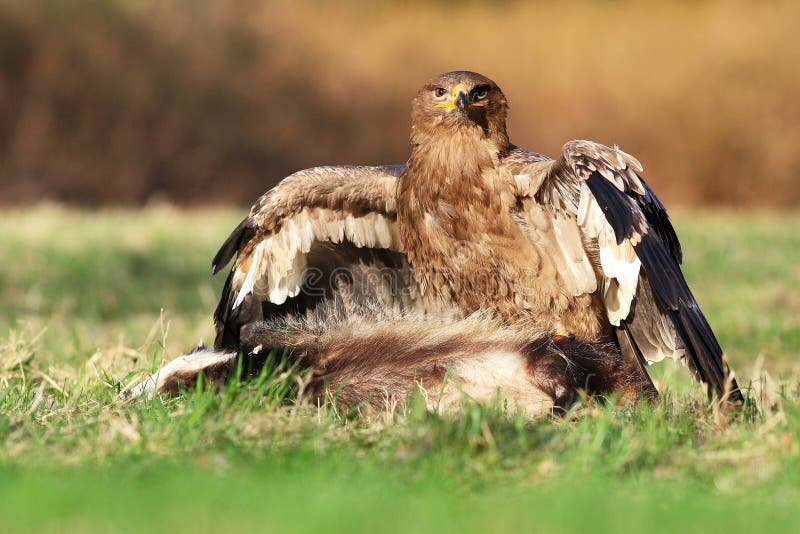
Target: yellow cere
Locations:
point(451, 102)
point(460, 88)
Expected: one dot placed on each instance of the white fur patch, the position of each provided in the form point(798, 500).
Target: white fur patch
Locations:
point(499, 375)
point(182, 365)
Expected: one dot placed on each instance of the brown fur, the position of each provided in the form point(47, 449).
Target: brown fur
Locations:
point(357, 362)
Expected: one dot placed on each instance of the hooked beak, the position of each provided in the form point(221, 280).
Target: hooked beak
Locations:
point(459, 98)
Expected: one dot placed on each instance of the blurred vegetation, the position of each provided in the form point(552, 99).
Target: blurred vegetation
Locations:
point(126, 101)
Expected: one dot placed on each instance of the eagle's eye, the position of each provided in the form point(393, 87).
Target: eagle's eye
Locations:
point(440, 92)
point(479, 94)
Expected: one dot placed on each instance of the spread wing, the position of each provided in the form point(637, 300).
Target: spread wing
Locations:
point(322, 234)
point(628, 235)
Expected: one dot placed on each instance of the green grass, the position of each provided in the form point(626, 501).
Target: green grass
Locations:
point(82, 295)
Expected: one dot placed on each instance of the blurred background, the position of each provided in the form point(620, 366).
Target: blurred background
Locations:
point(126, 102)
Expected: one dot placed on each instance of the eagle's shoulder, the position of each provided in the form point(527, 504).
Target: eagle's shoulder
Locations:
point(356, 188)
point(528, 168)
point(519, 159)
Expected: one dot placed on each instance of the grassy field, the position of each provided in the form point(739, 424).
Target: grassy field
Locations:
point(89, 299)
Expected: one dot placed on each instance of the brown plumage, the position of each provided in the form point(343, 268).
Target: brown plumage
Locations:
point(578, 245)
point(469, 237)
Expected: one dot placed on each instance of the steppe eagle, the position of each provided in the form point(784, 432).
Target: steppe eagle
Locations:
point(578, 245)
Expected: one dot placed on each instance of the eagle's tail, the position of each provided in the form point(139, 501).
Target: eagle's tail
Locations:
point(355, 362)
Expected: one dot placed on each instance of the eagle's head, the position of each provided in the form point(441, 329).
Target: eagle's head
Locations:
point(460, 100)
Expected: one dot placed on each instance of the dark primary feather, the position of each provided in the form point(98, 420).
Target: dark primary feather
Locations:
point(229, 247)
point(227, 333)
point(657, 216)
point(229, 320)
point(614, 204)
point(226, 318)
point(703, 353)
